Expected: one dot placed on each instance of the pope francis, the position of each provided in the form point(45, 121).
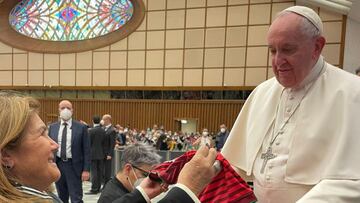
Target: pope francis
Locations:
point(298, 134)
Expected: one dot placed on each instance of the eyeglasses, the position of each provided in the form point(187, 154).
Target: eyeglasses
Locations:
point(154, 176)
point(143, 172)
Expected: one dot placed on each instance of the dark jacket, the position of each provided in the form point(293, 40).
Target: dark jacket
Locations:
point(221, 139)
point(80, 145)
point(114, 189)
point(115, 192)
point(97, 141)
point(109, 143)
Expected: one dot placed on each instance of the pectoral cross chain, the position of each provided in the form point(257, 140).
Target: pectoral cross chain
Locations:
point(266, 156)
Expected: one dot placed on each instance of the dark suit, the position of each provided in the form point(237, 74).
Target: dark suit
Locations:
point(97, 139)
point(176, 195)
point(70, 181)
point(109, 145)
point(115, 192)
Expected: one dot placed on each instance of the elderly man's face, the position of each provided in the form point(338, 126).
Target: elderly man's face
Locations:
point(65, 104)
point(293, 53)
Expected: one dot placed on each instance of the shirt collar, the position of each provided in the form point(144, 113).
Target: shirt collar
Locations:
point(314, 73)
point(32, 191)
point(69, 122)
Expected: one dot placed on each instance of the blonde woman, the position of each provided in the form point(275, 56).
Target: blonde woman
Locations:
point(27, 169)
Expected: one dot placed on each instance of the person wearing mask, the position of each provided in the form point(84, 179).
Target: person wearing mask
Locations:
point(97, 139)
point(298, 133)
point(204, 139)
point(109, 145)
point(221, 137)
point(73, 156)
point(26, 151)
point(132, 184)
point(135, 163)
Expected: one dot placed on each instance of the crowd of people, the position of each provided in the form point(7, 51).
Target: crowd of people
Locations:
point(106, 137)
point(162, 139)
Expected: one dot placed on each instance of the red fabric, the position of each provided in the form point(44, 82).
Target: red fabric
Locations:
point(226, 187)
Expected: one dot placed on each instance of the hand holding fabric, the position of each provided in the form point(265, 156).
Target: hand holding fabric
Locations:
point(199, 171)
point(153, 189)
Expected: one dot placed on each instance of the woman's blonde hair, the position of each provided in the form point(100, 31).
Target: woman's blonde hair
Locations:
point(16, 110)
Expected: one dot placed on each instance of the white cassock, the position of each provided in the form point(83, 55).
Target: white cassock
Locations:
point(318, 149)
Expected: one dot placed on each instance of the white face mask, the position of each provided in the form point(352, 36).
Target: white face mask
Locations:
point(65, 114)
point(222, 130)
point(205, 133)
point(137, 181)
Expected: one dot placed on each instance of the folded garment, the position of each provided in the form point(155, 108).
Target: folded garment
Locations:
point(226, 187)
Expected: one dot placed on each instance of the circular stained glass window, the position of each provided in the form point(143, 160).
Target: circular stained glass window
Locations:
point(67, 26)
point(69, 20)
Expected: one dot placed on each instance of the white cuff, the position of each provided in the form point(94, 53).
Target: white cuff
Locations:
point(188, 191)
point(143, 193)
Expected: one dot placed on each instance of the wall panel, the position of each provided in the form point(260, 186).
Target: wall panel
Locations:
point(144, 113)
point(195, 39)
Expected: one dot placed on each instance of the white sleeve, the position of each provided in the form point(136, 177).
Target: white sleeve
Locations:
point(188, 191)
point(333, 191)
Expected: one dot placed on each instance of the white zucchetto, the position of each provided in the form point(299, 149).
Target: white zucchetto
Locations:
point(309, 14)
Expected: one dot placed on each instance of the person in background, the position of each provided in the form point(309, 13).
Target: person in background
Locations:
point(26, 151)
point(97, 139)
point(135, 163)
point(298, 133)
point(161, 143)
point(221, 137)
point(73, 156)
point(204, 139)
point(109, 145)
point(121, 136)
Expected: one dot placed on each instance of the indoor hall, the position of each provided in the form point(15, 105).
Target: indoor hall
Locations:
point(172, 68)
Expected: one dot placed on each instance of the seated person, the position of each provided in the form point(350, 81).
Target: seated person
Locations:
point(135, 163)
point(194, 176)
point(27, 152)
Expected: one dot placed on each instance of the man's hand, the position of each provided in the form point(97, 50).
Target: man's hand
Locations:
point(108, 157)
point(151, 188)
point(199, 171)
point(85, 175)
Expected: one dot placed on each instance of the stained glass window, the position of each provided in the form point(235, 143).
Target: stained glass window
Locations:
point(69, 20)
